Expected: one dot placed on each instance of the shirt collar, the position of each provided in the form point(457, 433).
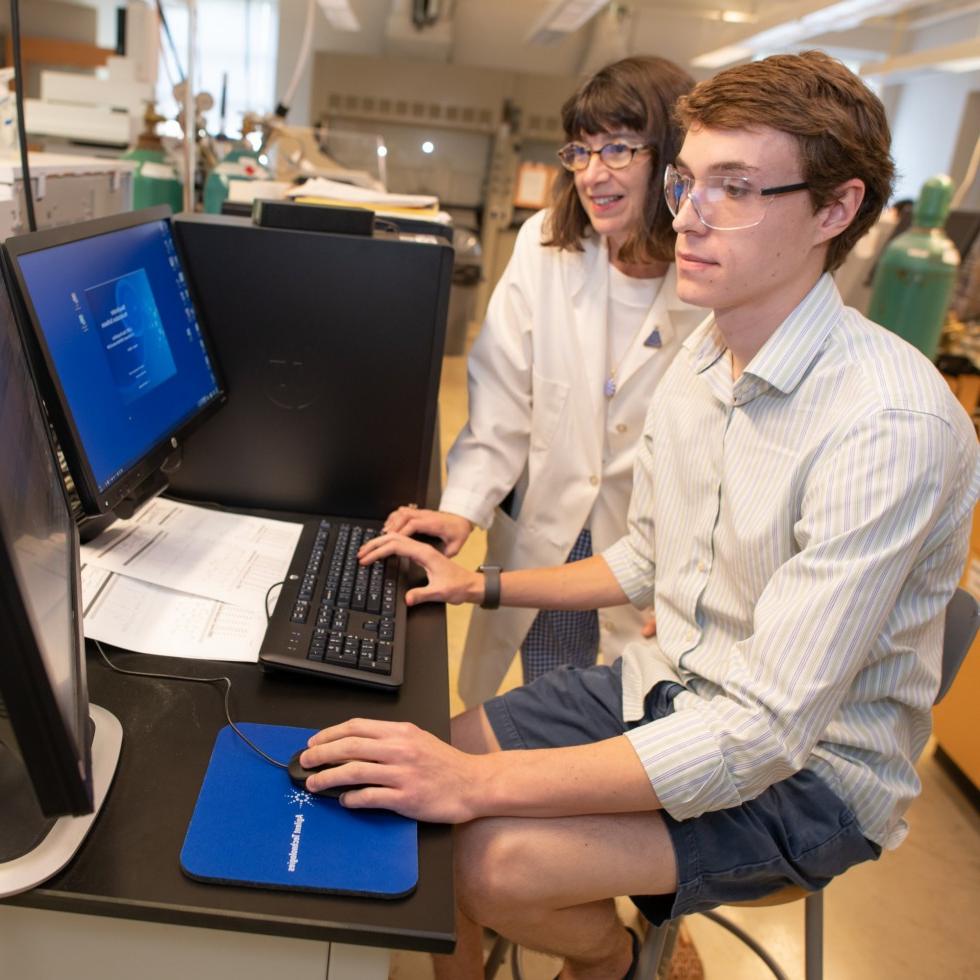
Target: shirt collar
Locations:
point(788, 354)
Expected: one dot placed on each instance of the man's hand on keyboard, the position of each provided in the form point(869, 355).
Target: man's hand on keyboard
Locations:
point(448, 582)
point(451, 529)
point(402, 768)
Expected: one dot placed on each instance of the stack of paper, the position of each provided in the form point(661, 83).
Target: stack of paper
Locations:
point(320, 190)
point(186, 581)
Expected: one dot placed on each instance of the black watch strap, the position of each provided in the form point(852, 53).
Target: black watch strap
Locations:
point(491, 586)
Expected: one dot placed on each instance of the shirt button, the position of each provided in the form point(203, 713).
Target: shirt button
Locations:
point(621, 428)
point(692, 637)
point(702, 567)
point(594, 480)
point(606, 625)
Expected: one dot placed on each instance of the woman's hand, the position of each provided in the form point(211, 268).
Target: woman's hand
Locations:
point(451, 529)
point(448, 581)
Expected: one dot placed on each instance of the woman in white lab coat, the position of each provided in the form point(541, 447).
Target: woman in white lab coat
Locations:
point(580, 328)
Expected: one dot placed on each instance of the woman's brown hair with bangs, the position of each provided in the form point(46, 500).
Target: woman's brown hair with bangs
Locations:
point(637, 94)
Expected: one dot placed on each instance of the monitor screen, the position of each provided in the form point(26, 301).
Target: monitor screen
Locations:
point(44, 717)
point(110, 308)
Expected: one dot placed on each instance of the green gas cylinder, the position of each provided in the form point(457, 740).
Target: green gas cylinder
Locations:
point(239, 164)
point(915, 275)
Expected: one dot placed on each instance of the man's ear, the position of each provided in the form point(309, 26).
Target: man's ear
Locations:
point(837, 215)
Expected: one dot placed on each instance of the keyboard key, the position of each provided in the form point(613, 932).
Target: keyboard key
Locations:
point(343, 658)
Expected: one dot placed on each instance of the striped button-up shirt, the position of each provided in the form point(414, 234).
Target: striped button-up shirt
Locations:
point(799, 530)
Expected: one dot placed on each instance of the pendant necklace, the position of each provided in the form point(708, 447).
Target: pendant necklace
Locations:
point(653, 340)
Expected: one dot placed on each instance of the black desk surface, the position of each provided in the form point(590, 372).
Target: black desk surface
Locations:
point(128, 865)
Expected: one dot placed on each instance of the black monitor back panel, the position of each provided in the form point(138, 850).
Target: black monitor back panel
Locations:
point(331, 350)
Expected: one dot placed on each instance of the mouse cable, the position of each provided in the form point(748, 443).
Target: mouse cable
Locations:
point(197, 680)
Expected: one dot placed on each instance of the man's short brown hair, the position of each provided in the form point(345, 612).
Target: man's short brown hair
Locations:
point(637, 94)
point(839, 124)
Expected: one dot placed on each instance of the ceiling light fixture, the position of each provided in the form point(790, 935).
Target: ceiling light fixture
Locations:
point(561, 18)
point(736, 17)
point(340, 15)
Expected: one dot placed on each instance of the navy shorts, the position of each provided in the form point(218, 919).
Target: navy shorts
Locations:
point(797, 832)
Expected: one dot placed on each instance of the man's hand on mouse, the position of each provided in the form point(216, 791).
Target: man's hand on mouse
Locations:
point(407, 770)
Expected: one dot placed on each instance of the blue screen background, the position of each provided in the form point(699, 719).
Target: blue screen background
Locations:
point(120, 327)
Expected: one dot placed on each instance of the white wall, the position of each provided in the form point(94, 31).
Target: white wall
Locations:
point(930, 115)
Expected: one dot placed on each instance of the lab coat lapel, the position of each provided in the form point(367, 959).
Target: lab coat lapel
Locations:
point(588, 281)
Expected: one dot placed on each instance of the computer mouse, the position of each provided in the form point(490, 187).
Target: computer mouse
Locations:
point(298, 775)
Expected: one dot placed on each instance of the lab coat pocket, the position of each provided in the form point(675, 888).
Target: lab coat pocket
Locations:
point(548, 402)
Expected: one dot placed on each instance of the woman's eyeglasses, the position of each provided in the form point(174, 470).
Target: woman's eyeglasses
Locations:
point(616, 156)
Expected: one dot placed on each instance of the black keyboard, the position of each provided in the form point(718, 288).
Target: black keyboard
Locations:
point(335, 617)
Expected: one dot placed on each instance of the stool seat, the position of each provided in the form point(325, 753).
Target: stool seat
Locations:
point(791, 893)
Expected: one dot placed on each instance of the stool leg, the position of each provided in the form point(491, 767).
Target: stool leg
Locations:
point(496, 958)
point(813, 930)
point(657, 943)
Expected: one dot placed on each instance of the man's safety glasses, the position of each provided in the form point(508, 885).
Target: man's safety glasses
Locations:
point(723, 202)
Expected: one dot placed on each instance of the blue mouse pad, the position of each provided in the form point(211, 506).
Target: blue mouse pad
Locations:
point(252, 826)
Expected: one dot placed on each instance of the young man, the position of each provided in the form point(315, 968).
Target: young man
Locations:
point(799, 517)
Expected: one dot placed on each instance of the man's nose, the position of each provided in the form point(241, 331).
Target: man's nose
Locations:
point(687, 217)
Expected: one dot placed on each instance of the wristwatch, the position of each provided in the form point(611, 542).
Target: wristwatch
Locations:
point(491, 586)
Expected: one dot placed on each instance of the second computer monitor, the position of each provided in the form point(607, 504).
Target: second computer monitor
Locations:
point(108, 309)
point(44, 709)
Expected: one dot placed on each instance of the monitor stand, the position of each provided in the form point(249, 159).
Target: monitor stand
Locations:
point(151, 487)
point(66, 834)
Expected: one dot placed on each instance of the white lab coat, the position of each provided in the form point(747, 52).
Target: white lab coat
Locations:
point(540, 424)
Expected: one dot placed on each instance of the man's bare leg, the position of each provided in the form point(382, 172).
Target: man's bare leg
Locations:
point(545, 883)
point(471, 732)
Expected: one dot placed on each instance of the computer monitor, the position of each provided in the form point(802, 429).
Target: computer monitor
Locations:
point(127, 371)
point(52, 762)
